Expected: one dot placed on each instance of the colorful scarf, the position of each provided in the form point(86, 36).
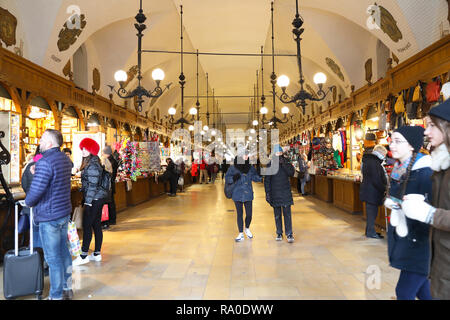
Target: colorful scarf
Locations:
point(399, 169)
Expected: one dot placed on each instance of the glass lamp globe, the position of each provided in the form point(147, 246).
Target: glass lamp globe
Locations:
point(255, 122)
point(285, 110)
point(250, 138)
point(202, 132)
point(213, 132)
point(120, 76)
point(158, 75)
point(191, 128)
point(205, 128)
point(193, 111)
point(252, 131)
point(283, 81)
point(263, 110)
point(320, 78)
point(172, 111)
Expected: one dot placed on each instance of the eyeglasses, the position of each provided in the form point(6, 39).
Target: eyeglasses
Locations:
point(397, 142)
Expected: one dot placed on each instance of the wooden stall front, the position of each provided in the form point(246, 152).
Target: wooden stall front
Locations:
point(346, 195)
point(323, 188)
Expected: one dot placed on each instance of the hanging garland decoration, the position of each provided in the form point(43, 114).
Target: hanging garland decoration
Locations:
point(131, 164)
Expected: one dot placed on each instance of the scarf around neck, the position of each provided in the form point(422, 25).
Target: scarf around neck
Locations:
point(440, 158)
point(400, 169)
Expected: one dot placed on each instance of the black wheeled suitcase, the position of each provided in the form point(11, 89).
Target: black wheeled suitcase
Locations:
point(23, 269)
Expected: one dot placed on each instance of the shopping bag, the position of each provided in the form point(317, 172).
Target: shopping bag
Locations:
point(74, 240)
point(180, 181)
point(78, 217)
point(105, 213)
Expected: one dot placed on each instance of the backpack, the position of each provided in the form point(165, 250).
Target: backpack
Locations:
point(105, 180)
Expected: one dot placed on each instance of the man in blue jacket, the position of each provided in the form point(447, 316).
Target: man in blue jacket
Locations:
point(49, 194)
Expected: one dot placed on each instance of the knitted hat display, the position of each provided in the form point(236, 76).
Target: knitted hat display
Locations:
point(90, 145)
point(414, 135)
point(441, 111)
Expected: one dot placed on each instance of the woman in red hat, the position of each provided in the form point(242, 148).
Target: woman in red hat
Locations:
point(93, 198)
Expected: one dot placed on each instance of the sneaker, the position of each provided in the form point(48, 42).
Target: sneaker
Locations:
point(279, 237)
point(248, 233)
point(67, 294)
point(79, 261)
point(96, 258)
point(290, 238)
point(240, 237)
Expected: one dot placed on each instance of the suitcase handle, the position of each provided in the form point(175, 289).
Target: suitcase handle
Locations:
point(16, 229)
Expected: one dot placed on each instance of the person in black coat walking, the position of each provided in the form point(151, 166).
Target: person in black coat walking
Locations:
point(278, 193)
point(112, 166)
point(172, 176)
point(373, 187)
point(94, 197)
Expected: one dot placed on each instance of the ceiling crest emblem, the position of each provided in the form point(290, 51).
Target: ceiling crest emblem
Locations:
point(8, 25)
point(381, 18)
point(131, 73)
point(335, 68)
point(72, 29)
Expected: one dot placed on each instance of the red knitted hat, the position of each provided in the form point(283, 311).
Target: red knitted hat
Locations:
point(90, 145)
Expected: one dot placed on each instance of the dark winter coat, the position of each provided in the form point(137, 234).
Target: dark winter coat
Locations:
point(115, 167)
point(49, 192)
point(373, 186)
point(243, 191)
point(90, 181)
point(412, 253)
point(440, 260)
point(278, 185)
point(27, 178)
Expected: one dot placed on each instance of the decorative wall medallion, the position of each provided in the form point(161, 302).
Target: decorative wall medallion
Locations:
point(8, 25)
point(68, 36)
point(67, 71)
point(389, 25)
point(130, 75)
point(334, 94)
point(368, 67)
point(335, 68)
point(311, 91)
point(96, 80)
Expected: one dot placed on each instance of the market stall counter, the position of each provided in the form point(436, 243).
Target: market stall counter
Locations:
point(323, 188)
point(346, 194)
point(140, 191)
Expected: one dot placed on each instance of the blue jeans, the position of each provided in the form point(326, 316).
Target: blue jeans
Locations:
point(54, 241)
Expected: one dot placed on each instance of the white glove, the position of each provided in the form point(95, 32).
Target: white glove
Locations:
point(88, 204)
point(391, 204)
point(418, 210)
point(398, 220)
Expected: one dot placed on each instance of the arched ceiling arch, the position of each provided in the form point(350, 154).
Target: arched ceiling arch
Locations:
point(333, 29)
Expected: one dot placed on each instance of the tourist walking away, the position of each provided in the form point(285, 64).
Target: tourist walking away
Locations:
point(213, 168)
point(203, 172)
point(224, 167)
point(373, 187)
point(94, 197)
point(172, 175)
point(111, 166)
point(278, 193)
point(181, 168)
point(50, 196)
point(303, 175)
point(438, 213)
point(242, 174)
point(408, 240)
point(194, 171)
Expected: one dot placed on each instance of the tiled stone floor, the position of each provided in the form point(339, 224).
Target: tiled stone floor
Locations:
point(183, 248)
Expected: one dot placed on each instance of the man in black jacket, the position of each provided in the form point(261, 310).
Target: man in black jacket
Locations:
point(373, 186)
point(107, 151)
point(279, 195)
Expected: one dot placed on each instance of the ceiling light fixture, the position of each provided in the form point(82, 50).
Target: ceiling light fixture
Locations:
point(320, 78)
point(157, 74)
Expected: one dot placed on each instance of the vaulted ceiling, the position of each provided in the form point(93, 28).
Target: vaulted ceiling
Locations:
point(340, 36)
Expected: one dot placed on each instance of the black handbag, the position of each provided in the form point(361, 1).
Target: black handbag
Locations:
point(228, 189)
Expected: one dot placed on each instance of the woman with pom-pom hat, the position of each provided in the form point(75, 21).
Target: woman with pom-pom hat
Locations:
point(94, 197)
